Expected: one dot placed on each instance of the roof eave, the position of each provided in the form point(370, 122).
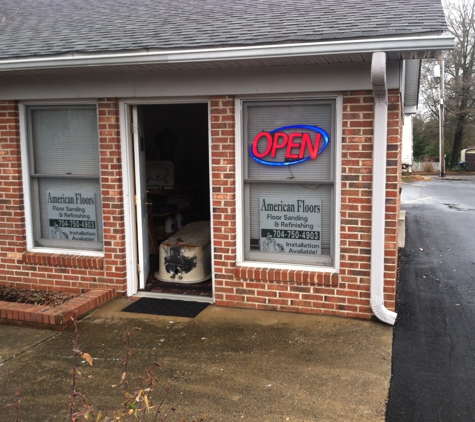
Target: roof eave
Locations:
point(421, 46)
point(411, 86)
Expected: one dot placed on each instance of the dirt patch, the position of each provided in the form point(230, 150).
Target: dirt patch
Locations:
point(414, 177)
point(34, 297)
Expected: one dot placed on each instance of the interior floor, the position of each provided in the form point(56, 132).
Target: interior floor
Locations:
point(197, 289)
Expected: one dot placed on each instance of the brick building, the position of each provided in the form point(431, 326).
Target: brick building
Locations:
point(280, 123)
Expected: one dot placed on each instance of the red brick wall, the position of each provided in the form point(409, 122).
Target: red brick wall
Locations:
point(115, 270)
point(393, 196)
point(345, 293)
point(357, 162)
point(12, 222)
point(223, 166)
point(53, 271)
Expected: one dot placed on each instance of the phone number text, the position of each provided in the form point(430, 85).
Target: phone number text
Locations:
point(73, 224)
point(291, 234)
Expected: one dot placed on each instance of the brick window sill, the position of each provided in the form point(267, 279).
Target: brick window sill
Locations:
point(287, 275)
point(64, 260)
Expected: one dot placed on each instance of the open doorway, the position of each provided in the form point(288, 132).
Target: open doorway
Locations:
point(175, 145)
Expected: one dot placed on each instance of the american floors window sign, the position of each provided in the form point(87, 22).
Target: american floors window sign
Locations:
point(72, 215)
point(291, 226)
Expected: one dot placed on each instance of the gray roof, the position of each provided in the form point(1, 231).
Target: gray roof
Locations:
point(52, 27)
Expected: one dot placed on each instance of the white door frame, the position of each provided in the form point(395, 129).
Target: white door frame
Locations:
point(143, 250)
point(128, 180)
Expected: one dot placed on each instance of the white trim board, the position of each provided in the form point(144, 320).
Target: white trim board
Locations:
point(411, 45)
point(129, 179)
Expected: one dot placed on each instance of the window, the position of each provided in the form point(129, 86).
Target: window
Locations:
point(289, 181)
point(64, 183)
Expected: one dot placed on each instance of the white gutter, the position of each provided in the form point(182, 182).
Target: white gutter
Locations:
point(378, 217)
point(421, 44)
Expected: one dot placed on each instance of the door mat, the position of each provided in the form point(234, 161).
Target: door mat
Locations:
point(177, 308)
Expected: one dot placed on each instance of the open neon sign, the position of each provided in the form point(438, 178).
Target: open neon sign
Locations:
point(295, 152)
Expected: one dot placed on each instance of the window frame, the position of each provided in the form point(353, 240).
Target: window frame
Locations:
point(31, 192)
point(324, 264)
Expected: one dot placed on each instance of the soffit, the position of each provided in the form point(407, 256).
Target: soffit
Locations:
point(309, 60)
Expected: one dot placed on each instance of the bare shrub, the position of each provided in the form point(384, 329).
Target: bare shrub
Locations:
point(427, 167)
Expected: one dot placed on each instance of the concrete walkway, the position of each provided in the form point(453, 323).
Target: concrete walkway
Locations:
point(233, 365)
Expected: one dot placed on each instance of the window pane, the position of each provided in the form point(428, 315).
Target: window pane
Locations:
point(65, 176)
point(78, 214)
point(65, 140)
point(289, 208)
point(267, 117)
point(298, 225)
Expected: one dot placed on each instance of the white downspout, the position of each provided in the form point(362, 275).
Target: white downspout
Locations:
point(380, 136)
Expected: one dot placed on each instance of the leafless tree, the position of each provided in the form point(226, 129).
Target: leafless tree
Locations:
point(459, 81)
point(460, 73)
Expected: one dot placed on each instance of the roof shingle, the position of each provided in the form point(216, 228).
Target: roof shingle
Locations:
point(52, 27)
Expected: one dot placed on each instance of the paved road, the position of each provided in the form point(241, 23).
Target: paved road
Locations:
point(434, 338)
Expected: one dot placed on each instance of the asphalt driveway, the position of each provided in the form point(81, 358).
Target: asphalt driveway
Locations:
point(433, 362)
